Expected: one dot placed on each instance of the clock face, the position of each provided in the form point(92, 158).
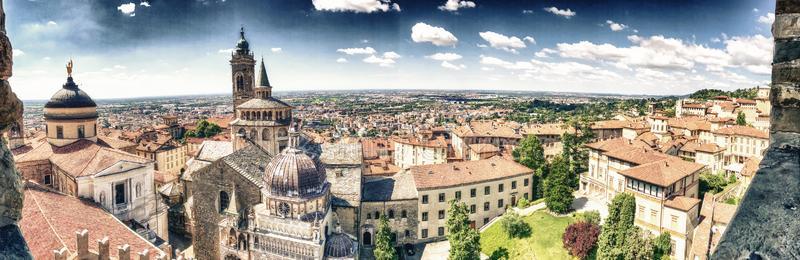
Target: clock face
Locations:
point(283, 209)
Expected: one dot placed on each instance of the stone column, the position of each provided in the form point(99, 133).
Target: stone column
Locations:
point(11, 193)
point(767, 224)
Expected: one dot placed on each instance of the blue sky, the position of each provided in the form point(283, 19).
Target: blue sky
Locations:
point(156, 48)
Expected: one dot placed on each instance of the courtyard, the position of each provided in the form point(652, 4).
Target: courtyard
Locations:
point(544, 241)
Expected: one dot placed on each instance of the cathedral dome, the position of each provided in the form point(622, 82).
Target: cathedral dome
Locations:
point(70, 96)
point(339, 245)
point(292, 173)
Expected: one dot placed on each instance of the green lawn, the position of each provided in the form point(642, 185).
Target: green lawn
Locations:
point(543, 243)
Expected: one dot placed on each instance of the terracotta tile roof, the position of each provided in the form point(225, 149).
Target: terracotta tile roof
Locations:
point(663, 172)
point(693, 105)
point(81, 158)
point(372, 147)
point(637, 155)
point(745, 101)
point(701, 240)
point(722, 212)
point(435, 142)
point(547, 129)
point(397, 187)
point(50, 220)
point(114, 142)
point(164, 177)
point(609, 124)
point(462, 173)
point(380, 166)
point(486, 129)
point(682, 203)
point(613, 144)
point(223, 122)
point(484, 148)
point(751, 166)
point(748, 131)
point(709, 148)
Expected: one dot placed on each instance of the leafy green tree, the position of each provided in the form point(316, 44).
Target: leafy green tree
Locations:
point(558, 194)
point(638, 245)
point(612, 240)
point(531, 154)
point(740, 119)
point(662, 246)
point(592, 217)
point(523, 203)
point(465, 242)
point(573, 151)
point(383, 241)
point(203, 129)
point(713, 183)
point(514, 226)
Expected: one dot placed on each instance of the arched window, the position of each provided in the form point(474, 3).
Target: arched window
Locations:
point(232, 238)
point(102, 198)
point(253, 134)
point(391, 213)
point(138, 189)
point(377, 215)
point(282, 132)
point(242, 242)
point(223, 201)
point(239, 82)
point(369, 216)
point(403, 214)
point(265, 134)
point(242, 132)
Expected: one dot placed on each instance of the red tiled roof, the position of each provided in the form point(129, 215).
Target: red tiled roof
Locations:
point(682, 203)
point(80, 158)
point(663, 172)
point(609, 124)
point(743, 131)
point(462, 173)
point(50, 220)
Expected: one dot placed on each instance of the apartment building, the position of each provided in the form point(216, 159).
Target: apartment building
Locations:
point(419, 151)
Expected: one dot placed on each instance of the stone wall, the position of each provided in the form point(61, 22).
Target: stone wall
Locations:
point(397, 224)
point(207, 184)
point(767, 224)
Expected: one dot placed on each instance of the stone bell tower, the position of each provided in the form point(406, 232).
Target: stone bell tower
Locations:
point(242, 71)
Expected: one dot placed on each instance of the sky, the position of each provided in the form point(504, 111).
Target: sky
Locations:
point(182, 47)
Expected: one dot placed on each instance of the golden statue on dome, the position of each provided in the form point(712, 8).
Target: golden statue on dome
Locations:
point(69, 68)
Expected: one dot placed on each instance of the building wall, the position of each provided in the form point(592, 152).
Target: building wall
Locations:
point(171, 160)
point(713, 162)
point(398, 224)
point(70, 131)
point(208, 183)
point(407, 155)
point(481, 216)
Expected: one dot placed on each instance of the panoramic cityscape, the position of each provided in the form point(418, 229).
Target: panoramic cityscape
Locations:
point(390, 129)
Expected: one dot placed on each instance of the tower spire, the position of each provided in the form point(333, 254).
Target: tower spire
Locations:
point(263, 79)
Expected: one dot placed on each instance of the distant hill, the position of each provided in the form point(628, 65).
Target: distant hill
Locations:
point(706, 94)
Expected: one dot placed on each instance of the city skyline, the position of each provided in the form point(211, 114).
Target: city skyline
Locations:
point(160, 48)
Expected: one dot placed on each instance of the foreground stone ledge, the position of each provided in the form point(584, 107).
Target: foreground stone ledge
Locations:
point(12, 244)
point(766, 224)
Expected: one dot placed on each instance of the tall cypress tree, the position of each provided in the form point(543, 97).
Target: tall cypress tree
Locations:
point(465, 242)
point(612, 241)
point(383, 241)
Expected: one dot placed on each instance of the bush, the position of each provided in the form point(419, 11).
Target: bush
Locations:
point(514, 226)
point(732, 201)
point(592, 217)
point(713, 183)
point(523, 203)
point(580, 238)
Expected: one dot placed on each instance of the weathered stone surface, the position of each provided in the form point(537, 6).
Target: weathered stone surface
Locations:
point(786, 26)
point(10, 188)
point(787, 6)
point(785, 95)
point(12, 245)
point(786, 50)
point(785, 73)
point(785, 119)
point(767, 221)
point(10, 106)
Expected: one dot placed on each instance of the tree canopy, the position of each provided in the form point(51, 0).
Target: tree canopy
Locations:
point(621, 213)
point(580, 238)
point(464, 240)
point(531, 154)
point(204, 129)
point(557, 191)
point(740, 119)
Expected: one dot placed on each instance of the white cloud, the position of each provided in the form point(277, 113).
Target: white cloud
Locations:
point(527, 11)
point(388, 59)
point(616, 26)
point(752, 53)
point(276, 50)
point(502, 42)
point(454, 5)
point(755, 10)
point(145, 4)
point(17, 52)
point(480, 45)
point(451, 66)
point(120, 67)
point(566, 13)
point(225, 51)
point(550, 71)
point(447, 56)
point(545, 53)
point(529, 39)
point(341, 60)
point(128, 9)
point(358, 6)
point(52, 23)
point(769, 18)
point(354, 51)
point(422, 32)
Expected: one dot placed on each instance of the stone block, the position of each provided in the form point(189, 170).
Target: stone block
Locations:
point(785, 73)
point(787, 6)
point(785, 95)
point(102, 249)
point(124, 252)
point(786, 26)
point(786, 50)
point(785, 119)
